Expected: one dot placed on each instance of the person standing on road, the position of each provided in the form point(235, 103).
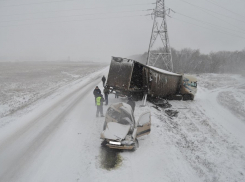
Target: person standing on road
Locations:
point(106, 93)
point(99, 103)
point(131, 102)
point(96, 93)
point(103, 80)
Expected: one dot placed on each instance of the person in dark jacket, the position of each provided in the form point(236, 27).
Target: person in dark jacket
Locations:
point(106, 93)
point(99, 103)
point(103, 80)
point(131, 102)
point(96, 93)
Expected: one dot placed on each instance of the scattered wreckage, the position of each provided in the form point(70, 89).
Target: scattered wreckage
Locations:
point(129, 77)
point(120, 130)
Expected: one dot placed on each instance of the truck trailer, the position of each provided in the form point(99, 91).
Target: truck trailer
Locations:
point(131, 78)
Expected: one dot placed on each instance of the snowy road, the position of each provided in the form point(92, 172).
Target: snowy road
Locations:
point(59, 139)
point(52, 143)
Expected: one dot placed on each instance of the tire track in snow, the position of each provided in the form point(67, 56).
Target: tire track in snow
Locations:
point(209, 150)
point(23, 149)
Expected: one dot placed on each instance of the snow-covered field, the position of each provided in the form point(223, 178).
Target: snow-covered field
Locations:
point(23, 83)
point(57, 137)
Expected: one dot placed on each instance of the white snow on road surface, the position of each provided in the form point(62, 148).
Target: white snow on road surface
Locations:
point(58, 137)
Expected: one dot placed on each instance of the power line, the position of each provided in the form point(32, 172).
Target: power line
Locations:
point(208, 12)
point(44, 12)
point(225, 21)
point(225, 8)
point(208, 23)
point(210, 29)
point(74, 21)
point(89, 14)
point(211, 11)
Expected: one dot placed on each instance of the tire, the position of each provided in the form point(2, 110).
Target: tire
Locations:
point(136, 145)
point(186, 97)
point(103, 144)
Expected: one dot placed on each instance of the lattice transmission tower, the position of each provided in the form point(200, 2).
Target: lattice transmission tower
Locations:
point(162, 57)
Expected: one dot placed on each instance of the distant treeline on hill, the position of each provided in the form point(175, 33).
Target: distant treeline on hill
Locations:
point(192, 61)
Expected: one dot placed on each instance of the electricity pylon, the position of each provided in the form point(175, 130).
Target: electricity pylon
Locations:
point(163, 57)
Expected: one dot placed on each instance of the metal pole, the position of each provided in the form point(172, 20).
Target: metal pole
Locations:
point(164, 62)
point(147, 62)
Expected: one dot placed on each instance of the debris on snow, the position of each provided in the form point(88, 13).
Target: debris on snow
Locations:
point(171, 113)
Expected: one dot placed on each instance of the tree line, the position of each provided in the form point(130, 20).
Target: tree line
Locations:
point(192, 61)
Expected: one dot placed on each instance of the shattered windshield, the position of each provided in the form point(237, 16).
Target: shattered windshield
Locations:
point(125, 118)
point(121, 117)
point(113, 113)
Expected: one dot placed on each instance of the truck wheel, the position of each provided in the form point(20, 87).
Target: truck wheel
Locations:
point(187, 97)
point(103, 144)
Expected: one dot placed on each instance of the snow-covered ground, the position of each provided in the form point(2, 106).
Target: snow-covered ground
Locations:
point(58, 137)
point(23, 83)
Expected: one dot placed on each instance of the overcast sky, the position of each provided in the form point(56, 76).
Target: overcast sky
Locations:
point(98, 29)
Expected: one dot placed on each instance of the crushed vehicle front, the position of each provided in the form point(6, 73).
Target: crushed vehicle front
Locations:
point(119, 131)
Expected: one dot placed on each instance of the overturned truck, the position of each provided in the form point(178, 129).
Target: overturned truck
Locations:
point(131, 78)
